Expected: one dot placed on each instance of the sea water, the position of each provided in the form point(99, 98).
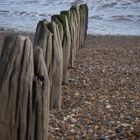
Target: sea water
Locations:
point(118, 17)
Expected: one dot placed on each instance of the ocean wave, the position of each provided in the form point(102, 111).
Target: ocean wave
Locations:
point(99, 17)
point(122, 18)
point(109, 5)
point(104, 15)
point(76, 2)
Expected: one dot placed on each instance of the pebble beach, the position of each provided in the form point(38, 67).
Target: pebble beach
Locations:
point(102, 99)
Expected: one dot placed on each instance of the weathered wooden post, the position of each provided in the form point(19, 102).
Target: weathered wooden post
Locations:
point(41, 96)
point(81, 25)
point(85, 11)
point(49, 37)
point(66, 44)
point(72, 27)
point(43, 39)
point(77, 24)
point(55, 19)
point(84, 22)
point(16, 74)
point(24, 93)
point(56, 70)
point(67, 14)
point(73, 35)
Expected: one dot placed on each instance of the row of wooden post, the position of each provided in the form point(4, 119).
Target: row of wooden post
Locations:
point(31, 75)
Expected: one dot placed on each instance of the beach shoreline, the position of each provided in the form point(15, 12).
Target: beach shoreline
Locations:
point(96, 37)
point(102, 99)
point(95, 40)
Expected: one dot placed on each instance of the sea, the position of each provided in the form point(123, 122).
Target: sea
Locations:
point(106, 17)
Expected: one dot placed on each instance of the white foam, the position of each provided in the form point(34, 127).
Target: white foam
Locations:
point(105, 16)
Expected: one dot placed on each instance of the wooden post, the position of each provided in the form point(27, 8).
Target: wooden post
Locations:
point(67, 14)
point(43, 39)
point(49, 37)
point(41, 91)
point(66, 44)
point(84, 22)
point(77, 24)
point(24, 97)
point(55, 19)
point(16, 74)
point(56, 70)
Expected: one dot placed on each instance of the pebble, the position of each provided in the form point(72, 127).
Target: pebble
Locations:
point(77, 94)
point(73, 131)
point(105, 101)
point(95, 136)
point(90, 131)
point(108, 106)
point(73, 120)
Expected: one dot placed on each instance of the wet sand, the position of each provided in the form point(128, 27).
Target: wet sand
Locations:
point(102, 99)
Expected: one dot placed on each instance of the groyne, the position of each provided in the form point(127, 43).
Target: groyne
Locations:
point(32, 74)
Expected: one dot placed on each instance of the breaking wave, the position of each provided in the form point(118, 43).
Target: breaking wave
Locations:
point(105, 16)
